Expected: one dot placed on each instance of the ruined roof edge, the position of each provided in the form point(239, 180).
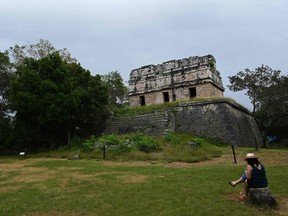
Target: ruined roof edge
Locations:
point(185, 62)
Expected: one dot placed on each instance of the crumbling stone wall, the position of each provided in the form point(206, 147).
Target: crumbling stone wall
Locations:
point(173, 80)
point(152, 123)
point(217, 118)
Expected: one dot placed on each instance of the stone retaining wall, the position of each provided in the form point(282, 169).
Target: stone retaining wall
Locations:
point(217, 118)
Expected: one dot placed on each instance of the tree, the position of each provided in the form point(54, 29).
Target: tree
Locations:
point(37, 51)
point(254, 82)
point(273, 107)
point(268, 93)
point(118, 92)
point(52, 98)
point(6, 76)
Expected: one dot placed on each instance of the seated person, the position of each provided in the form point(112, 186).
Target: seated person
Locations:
point(254, 175)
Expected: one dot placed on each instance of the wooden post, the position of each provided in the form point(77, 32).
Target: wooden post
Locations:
point(233, 150)
point(104, 152)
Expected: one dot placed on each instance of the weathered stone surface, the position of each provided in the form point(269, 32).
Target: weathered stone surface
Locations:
point(155, 123)
point(75, 157)
point(262, 196)
point(216, 118)
point(220, 119)
point(175, 80)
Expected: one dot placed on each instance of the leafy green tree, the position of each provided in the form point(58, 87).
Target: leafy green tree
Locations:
point(118, 92)
point(6, 76)
point(52, 98)
point(254, 82)
point(274, 105)
point(267, 90)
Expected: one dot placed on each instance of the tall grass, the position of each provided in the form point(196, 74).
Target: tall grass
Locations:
point(136, 146)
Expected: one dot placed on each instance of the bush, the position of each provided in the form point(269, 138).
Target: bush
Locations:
point(111, 139)
point(142, 142)
point(116, 143)
point(88, 145)
point(172, 138)
point(147, 144)
point(122, 148)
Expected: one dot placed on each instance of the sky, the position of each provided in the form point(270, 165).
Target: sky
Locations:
point(122, 35)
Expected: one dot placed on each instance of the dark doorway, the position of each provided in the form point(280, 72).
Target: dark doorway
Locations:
point(166, 97)
point(142, 100)
point(192, 92)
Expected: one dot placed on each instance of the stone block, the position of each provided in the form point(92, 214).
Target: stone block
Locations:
point(75, 157)
point(262, 196)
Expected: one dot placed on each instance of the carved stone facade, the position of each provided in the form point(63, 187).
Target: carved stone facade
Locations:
point(175, 80)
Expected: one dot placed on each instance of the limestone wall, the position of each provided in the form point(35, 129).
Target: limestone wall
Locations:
point(218, 118)
point(174, 76)
point(153, 123)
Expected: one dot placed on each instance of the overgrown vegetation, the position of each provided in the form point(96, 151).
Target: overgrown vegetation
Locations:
point(136, 146)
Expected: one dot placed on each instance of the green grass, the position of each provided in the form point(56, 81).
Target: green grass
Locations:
point(95, 187)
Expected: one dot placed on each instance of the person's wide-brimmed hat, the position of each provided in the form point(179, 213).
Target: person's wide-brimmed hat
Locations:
point(250, 156)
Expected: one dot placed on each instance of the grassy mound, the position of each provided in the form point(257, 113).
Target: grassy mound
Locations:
point(136, 146)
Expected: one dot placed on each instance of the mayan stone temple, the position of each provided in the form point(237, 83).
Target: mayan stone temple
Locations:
point(175, 80)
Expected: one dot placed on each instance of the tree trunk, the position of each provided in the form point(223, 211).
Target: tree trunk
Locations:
point(68, 137)
point(264, 137)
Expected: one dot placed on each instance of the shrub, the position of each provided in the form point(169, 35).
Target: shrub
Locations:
point(142, 142)
point(88, 144)
point(147, 144)
point(117, 143)
point(172, 138)
point(122, 148)
point(111, 139)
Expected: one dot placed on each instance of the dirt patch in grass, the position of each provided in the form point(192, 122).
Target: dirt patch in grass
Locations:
point(78, 177)
point(132, 179)
point(33, 174)
point(69, 168)
point(12, 166)
point(276, 157)
point(283, 206)
point(126, 163)
point(53, 213)
point(268, 158)
point(9, 188)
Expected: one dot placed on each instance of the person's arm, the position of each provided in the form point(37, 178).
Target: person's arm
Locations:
point(249, 172)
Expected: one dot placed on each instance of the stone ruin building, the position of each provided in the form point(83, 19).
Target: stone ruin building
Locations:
point(179, 80)
point(175, 80)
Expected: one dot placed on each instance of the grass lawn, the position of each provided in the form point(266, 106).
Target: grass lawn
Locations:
point(41, 186)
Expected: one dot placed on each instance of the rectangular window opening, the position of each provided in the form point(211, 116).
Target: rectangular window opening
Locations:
point(166, 97)
point(142, 100)
point(192, 92)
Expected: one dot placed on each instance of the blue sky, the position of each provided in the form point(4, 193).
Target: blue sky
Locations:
point(122, 35)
